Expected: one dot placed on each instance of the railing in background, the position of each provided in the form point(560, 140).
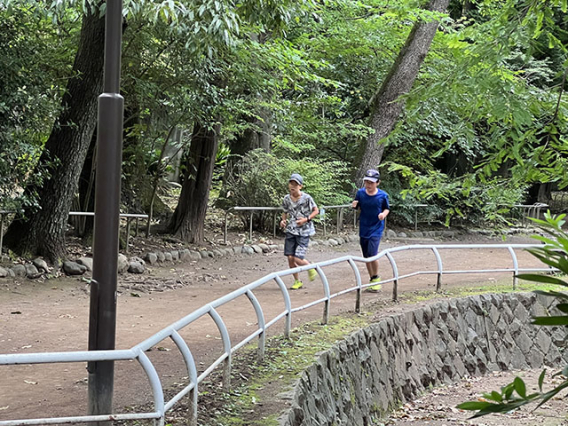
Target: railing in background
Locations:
point(252, 210)
point(530, 210)
point(127, 216)
point(279, 209)
point(173, 331)
point(339, 219)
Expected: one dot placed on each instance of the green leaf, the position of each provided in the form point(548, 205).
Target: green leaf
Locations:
point(541, 379)
point(520, 387)
point(495, 396)
point(473, 405)
point(556, 294)
point(550, 394)
point(542, 279)
point(550, 321)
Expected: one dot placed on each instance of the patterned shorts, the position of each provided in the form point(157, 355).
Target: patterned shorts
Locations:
point(296, 245)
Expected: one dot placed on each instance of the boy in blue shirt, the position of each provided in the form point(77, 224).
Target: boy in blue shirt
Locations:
point(374, 205)
point(302, 209)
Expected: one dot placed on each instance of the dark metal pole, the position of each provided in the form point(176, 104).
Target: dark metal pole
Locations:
point(102, 317)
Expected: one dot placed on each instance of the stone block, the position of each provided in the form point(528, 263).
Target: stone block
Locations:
point(151, 258)
point(19, 270)
point(194, 255)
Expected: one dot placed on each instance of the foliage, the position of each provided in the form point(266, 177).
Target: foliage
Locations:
point(221, 162)
point(489, 110)
point(487, 118)
point(261, 179)
point(554, 252)
point(462, 196)
point(28, 100)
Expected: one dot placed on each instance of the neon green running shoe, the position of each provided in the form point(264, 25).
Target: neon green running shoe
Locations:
point(375, 288)
point(297, 285)
point(312, 274)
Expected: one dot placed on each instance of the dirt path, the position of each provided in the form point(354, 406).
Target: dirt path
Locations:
point(437, 408)
point(53, 316)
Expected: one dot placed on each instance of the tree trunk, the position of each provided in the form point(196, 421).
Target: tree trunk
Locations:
point(86, 203)
point(385, 108)
point(188, 220)
point(42, 232)
point(252, 138)
point(540, 193)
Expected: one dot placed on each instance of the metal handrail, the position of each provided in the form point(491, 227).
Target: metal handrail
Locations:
point(531, 210)
point(339, 221)
point(252, 210)
point(127, 216)
point(138, 352)
point(277, 209)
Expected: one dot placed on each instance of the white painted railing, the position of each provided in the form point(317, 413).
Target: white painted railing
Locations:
point(161, 406)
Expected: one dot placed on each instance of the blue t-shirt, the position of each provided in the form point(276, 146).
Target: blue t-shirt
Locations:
point(371, 206)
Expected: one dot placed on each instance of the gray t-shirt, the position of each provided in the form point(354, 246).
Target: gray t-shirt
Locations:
point(296, 210)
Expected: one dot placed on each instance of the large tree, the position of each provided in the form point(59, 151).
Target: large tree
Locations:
point(188, 220)
point(42, 231)
point(386, 105)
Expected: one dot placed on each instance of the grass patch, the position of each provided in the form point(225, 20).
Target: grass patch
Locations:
point(499, 287)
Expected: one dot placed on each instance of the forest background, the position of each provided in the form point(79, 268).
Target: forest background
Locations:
point(458, 103)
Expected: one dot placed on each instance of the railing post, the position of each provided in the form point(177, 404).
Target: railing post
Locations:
point(287, 306)
point(250, 226)
point(337, 221)
point(225, 230)
point(128, 219)
point(261, 324)
point(358, 282)
point(155, 384)
point(416, 218)
point(440, 268)
point(1, 231)
point(327, 294)
point(136, 233)
point(354, 219)
point(395, 273)
point(191, 374)
point(274, 224)
point(226, 347)
point(515, 265)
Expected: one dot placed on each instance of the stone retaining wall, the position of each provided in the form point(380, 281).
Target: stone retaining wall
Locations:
point(395, 360)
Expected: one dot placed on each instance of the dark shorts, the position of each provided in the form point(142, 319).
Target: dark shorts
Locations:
point(296, 245)
point(370, 246)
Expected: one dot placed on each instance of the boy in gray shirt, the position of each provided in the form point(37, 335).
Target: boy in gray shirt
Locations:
point(302, 209)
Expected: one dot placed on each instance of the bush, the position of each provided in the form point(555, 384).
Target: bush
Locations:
point(261, 180)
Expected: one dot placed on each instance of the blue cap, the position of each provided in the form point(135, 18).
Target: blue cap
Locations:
point(296, 177)
point(372, 175)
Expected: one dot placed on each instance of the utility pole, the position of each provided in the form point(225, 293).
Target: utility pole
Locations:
point(102, 314)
